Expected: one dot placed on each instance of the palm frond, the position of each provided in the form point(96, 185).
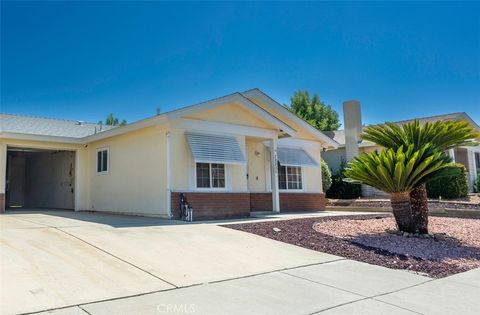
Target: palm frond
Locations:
point(398, 170)
point(441, 135)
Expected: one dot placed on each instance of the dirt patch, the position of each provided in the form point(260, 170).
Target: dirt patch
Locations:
point(369, 239)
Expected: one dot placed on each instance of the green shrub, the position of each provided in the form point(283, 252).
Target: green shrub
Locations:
point(449, 187)
point(476, 185)
point(341, 189)
point(326, 176)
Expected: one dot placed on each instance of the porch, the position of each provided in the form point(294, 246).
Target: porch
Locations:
point(231, 176)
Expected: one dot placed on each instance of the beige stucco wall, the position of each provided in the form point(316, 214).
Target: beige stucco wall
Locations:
point(231, 113)
point(81, 165)
point(136, 180)
point(312, 175)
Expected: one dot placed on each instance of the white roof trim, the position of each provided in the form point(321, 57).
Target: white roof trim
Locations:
point(44, 138)
point(327, 141)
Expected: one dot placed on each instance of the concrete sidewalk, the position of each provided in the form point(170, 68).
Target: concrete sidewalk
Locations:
point(84, 263)
point(340, 287)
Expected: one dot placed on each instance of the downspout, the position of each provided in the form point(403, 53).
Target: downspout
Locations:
point(168, 186)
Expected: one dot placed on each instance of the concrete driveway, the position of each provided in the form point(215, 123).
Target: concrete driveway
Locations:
point(84, 263)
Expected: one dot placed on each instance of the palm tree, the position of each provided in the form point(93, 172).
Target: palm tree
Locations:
point(441, 135)
point(398, 172)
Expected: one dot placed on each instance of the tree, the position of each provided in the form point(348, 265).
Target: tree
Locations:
point(113, 121)
point(440, 135)
point(398, 172)
point(314, 111)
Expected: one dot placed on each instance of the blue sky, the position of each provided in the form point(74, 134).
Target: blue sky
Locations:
point(85, 60)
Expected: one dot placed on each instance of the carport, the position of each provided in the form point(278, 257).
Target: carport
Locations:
point(40, 178)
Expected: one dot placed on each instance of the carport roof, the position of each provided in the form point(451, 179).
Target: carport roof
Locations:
point(49, 126)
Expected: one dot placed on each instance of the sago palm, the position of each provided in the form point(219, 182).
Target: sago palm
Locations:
point(440, 135)
point(398, 172)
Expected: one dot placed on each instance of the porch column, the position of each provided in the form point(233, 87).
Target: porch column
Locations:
point(274, 175)
point(169, 172)
point(3, 174)
point(451, 153)
point(472, 170)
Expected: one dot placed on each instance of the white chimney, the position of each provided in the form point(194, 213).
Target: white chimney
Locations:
point(352, 121)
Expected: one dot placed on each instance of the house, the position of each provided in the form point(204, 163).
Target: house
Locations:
point(350, 144)
point(228, 156)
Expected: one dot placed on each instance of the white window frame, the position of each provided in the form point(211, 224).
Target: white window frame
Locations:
point(286, 180)
point(211, 177)
point(107, 149)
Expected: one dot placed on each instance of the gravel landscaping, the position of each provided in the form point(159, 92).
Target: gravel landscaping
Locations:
point(452, 247)
point(470, 202)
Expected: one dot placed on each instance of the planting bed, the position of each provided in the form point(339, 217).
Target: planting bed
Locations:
point(370, 238)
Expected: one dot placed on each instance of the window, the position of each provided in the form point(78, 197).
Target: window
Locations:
point(102, 161)
point(210, 175)
point(289, 177)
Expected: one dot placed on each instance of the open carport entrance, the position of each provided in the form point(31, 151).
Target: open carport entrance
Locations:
point(40, 179)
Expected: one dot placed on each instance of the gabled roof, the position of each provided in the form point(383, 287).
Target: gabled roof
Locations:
point(237, 98)
point(266, 99)
point(49, 126)
point(37, 128)
point(339, 135)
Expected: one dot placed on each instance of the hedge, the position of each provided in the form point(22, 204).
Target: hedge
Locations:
point(449, 187)
point(343, 190)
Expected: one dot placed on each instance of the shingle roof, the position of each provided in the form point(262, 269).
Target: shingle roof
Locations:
point(49, 126)
point(339, 135)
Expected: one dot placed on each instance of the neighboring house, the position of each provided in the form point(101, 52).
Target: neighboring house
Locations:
point(229, 156)
point(350, 144)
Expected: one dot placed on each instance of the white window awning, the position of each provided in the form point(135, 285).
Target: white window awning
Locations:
point(210, 148)
point(295, 157)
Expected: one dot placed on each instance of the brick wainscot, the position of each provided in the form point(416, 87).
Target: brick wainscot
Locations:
point(224, 205)
point(289, 202)
point(213, 205)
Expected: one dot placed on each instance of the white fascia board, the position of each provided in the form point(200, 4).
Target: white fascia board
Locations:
point(214, 127)
point(236, 98)
point(42, 138)
point(326, 141)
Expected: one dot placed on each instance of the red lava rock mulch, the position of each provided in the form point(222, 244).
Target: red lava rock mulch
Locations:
point(366, 238)
point(471, 202)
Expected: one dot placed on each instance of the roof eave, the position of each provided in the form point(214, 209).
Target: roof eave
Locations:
point(44, 138)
